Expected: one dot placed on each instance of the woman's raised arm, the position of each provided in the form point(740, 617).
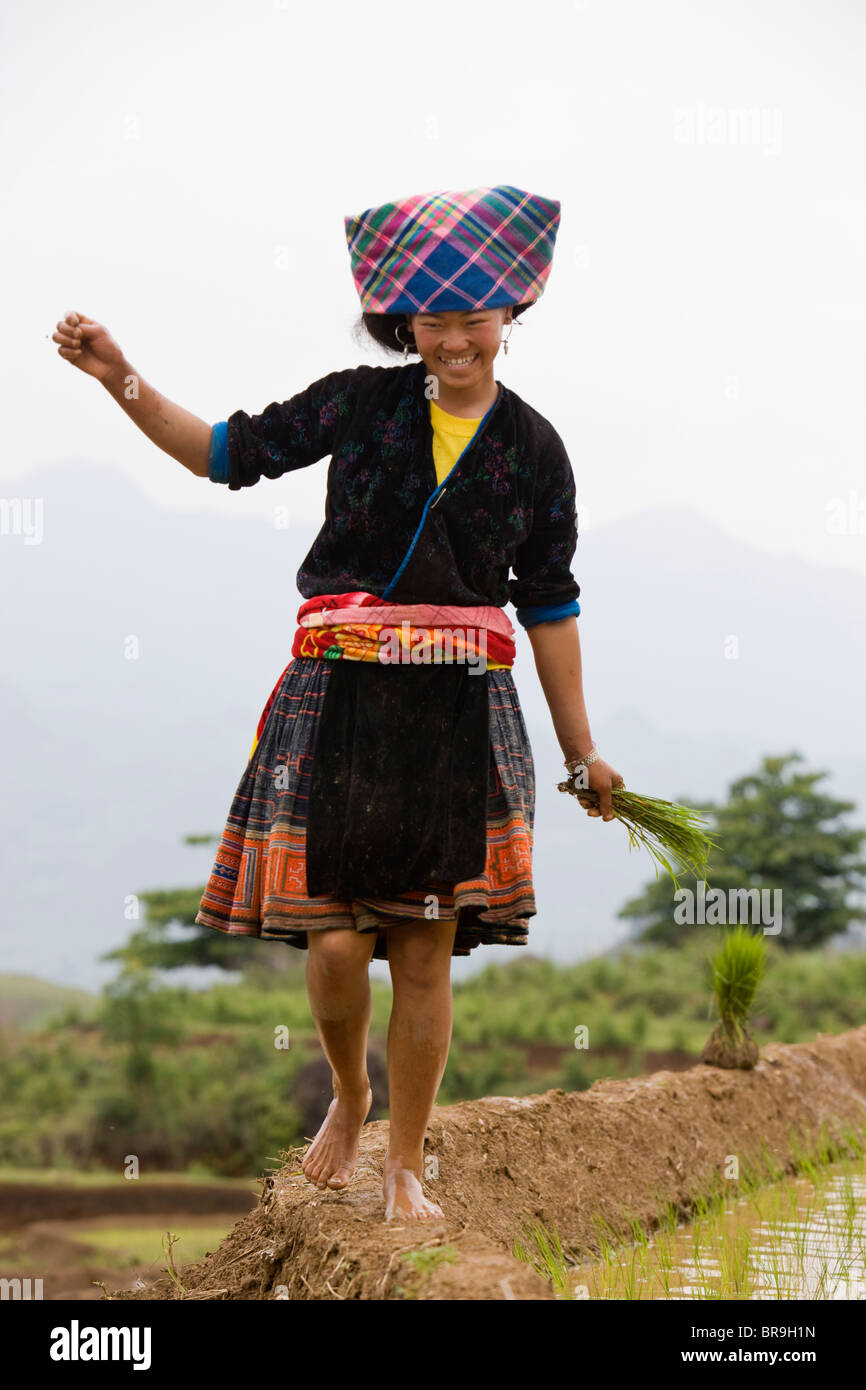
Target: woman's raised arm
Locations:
point(89, 346)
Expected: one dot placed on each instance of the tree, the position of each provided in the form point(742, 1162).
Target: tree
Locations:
point(170, 937)
point(777, 830)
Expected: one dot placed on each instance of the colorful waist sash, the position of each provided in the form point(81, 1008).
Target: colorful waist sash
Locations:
point(399, 782)
point(415, 633)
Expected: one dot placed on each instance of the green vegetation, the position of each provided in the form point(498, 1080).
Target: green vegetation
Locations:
point(218, 1079)
point(424, 1260)
point(180, 1077)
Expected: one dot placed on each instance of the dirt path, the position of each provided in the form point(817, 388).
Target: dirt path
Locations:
point(562, 1157)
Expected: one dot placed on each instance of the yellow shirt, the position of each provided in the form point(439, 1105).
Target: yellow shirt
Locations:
point(451, 434)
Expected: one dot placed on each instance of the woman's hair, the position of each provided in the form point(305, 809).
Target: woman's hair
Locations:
point(382, 328)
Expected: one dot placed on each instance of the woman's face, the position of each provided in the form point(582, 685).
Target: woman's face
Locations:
point(460, 346)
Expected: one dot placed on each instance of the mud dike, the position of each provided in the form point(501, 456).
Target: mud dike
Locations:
point(623, 1148)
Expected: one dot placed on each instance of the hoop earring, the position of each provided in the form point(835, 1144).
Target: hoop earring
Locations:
point(405, 346)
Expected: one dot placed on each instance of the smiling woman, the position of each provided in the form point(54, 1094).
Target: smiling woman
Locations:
point(387, 806)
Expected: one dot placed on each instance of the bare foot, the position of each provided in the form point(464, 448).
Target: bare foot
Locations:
point(330, 1159)
point(404, 1199)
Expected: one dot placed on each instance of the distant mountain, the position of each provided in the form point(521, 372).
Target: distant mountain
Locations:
point(109, 761)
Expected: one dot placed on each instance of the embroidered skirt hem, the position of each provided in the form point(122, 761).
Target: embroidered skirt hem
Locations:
point(257, 887)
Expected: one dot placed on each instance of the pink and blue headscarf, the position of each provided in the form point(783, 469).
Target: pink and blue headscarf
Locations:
point(476, 249)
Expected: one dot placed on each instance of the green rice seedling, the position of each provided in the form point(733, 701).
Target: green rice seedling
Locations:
point(854, 1137)
point(543, 1251)
point(663, 1249)
point(712, 1195)
point(666, 1212)
point(825, 1288)
point(783, 1282)
point(734, 1264)
point(669, 1218)
point(661, 827)
point(639, 1235)
point(607, 1239)
point(603, 1282)
point(737, 970)
point(850, 1203)
point(799, 1236)
point(827, 1149)
point(700, 1206)
point(838, 1150)
point(664, 1279)
point(708, 1290)
point(792, 1200)
point(699, 1236)
point(627, 1275)
point(771, 1170)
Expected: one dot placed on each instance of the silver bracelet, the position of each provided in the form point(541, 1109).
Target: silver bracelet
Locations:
point(591, 757)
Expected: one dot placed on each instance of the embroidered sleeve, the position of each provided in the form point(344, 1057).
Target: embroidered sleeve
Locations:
point(544, 588)
point(298, 432)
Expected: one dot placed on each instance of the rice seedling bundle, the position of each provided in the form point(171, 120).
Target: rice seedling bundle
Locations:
point(664, 828)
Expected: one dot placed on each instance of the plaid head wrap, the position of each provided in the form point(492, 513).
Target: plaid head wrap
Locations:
point(478, 249)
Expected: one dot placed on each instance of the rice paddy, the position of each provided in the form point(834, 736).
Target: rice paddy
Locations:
point(801, 1238)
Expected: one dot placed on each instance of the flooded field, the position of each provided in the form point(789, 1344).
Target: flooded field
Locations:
point(73, 1234)
point(803, 1238)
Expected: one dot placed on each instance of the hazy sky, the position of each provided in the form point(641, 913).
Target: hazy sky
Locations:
point(181, 172)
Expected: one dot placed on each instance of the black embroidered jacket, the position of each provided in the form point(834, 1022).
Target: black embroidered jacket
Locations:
point(508, 503)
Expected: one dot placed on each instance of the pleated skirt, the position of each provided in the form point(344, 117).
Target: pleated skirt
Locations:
point(257, 886)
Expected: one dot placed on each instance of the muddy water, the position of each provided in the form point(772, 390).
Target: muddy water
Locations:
point(796, 1240)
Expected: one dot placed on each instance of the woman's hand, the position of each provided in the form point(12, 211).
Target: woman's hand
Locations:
point(601, 778)
point(88, 346)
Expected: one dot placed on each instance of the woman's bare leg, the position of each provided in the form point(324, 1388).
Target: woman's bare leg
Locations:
point(338, 985)
point(419, 1036)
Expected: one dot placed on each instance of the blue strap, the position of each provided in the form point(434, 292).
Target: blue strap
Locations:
point(218, 455)
point(547, 613)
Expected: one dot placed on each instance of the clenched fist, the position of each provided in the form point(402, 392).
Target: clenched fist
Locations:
point(88, 345)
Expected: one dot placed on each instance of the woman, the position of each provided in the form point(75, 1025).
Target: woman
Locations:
point(387, 805)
